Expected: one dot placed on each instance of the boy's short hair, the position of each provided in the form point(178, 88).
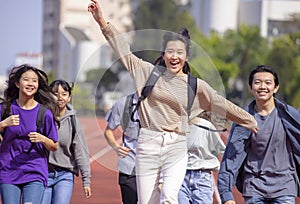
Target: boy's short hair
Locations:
point(263, 68)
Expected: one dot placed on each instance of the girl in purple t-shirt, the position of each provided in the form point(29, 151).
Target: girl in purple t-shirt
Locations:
point(23, 151)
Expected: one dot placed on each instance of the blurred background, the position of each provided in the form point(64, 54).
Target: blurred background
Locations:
point(229, 38)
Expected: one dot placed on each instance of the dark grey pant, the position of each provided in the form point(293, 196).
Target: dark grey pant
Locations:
point(128, 188)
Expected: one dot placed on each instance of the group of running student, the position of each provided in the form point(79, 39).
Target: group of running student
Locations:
point(167, 158)
point(43, 145)
point(262, 153)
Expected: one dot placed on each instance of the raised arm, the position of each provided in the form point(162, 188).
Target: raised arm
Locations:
point(121, 47)
point(96, 11)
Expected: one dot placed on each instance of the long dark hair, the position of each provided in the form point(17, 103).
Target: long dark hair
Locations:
point(184, 36)
point(43, 94)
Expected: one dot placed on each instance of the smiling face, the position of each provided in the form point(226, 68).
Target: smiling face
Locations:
point(175, 56)
point(263, 86)
point(28, 84)
point(62, 97)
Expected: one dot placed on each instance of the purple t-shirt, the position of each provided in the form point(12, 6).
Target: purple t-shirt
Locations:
point(17, 166)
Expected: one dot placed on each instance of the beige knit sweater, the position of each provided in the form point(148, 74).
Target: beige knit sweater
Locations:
point(165, 108)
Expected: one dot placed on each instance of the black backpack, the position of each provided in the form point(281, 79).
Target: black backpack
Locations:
point(127, 111)
point(5, 113)
point(39, 122)
point(155, 74)
point(40, 118)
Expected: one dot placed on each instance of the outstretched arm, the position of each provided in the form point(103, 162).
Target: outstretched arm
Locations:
point(96, 11)
point(120, 45)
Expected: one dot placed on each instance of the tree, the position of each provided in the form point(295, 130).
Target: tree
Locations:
point(245, 48)
point(157, 14)
point(284, 58)
point(82, 99)
point(152, 18)
point(106, 76)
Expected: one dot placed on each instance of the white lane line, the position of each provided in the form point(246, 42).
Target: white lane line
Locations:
point(102, 152)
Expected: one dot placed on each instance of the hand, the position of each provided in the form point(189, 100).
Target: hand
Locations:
point(254, 130)
point(87, 191)
point(12, 120)
point(122, 151)
point(36, 137)
point(95, 10)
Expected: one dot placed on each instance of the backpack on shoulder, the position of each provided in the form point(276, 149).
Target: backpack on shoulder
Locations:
point(127, 111)
point(155, 74)
point(192, 91)
point(6, 112)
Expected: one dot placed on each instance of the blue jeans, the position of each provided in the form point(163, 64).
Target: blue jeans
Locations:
point(31, 193)
point(60, 188)
point(277, 200)
point(197, 188)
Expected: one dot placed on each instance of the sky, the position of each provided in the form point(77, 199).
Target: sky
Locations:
point(20, 30)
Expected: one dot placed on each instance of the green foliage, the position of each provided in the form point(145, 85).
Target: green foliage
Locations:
point(284, 58)
point(82, 99)
point(105, 76)
point(246, 47)
point(157, 14)
point(294, 98)
point(235, 54)
point(51, 76)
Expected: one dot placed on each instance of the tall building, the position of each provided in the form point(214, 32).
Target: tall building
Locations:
point(273, 17)
point(217, 15)
point(72, 42)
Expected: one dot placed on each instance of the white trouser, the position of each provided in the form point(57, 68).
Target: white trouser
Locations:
point(160, 154)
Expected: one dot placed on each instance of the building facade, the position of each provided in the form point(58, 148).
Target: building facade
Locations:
point(273, 17)
point(72, 42)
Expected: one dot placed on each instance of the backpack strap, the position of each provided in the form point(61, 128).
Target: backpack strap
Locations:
point(5, 113)
point(192, 91)
point(39, 123)
point(73, 124)
point(155, 74)
point(212, 130)
point(127, 111)
point(40, 118)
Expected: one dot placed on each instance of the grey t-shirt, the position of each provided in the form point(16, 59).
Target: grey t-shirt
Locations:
point(269, 169)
